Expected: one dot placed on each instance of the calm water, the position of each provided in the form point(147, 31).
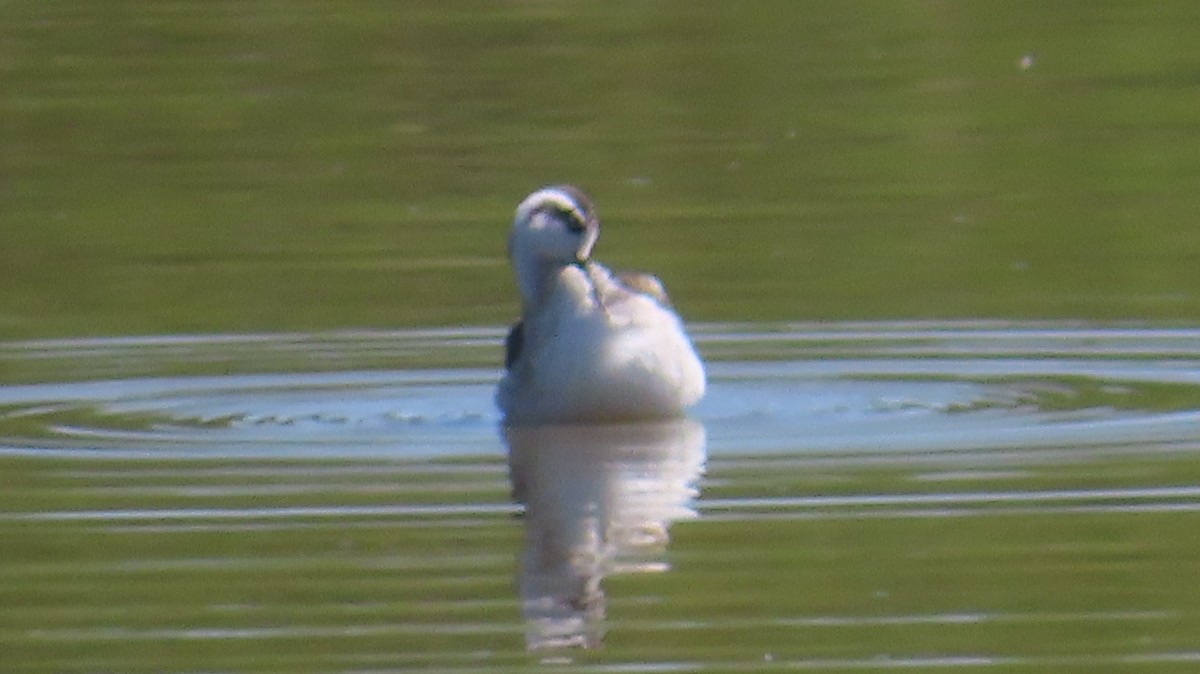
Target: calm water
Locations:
point(233, 167)
point(849, 497)
point(870, 496)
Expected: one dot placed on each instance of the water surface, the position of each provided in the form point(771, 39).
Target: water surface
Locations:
point(236, 167)
point(264, 491)
point(849, 497)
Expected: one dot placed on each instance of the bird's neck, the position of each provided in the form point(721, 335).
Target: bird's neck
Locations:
point(541, 282)
point(535, 278)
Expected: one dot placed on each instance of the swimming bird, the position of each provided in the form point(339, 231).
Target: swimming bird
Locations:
point(591, 345)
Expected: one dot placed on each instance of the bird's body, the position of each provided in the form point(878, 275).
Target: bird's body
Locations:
point(591, 345)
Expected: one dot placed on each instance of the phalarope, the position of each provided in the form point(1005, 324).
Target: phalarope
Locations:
point(591, 345)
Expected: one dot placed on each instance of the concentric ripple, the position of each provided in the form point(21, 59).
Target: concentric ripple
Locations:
point(819, 388)
point(847, 497)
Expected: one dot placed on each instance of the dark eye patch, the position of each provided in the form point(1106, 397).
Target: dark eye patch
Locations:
point(572, 217)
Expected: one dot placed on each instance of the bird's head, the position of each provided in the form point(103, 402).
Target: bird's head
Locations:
point(555, 225)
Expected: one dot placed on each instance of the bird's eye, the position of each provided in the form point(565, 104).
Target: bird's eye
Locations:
point(573, 218)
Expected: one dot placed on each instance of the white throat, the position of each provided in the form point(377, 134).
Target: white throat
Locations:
point(535, 271)
point(535, 277)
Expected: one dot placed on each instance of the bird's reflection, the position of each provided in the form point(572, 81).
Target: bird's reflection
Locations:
point(598, 500)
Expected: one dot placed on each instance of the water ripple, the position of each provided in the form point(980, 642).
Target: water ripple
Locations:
point(826, 388)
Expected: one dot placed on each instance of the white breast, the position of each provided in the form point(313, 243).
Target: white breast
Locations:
point(596, 351)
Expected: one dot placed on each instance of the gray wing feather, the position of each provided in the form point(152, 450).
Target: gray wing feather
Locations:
point(646, 284)
point(513, 343)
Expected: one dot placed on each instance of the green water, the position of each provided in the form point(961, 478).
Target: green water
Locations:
point(956, 497)
point(219, 166)
point(1104, 587)
point(245, 166)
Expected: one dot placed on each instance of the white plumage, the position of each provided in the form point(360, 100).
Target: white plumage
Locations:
point(591, 346)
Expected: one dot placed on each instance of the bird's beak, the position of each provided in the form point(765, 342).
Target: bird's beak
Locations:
point(584, 252)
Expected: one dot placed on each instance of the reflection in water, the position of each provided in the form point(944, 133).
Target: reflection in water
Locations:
point(598, 500)
point(357, 519)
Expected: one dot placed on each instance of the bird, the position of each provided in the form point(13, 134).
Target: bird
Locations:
point(591, 345)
